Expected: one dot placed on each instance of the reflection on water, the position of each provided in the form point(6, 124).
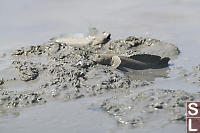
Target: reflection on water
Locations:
point(149, 74)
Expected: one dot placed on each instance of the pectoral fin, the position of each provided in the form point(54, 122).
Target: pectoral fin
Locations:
point(115, 62)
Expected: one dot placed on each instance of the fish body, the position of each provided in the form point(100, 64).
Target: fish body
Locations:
point(136, 62)
point(81, 40)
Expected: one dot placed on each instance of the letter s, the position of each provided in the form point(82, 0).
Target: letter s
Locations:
point(193, 108)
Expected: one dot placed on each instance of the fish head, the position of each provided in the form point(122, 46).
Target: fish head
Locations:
point(103, 59)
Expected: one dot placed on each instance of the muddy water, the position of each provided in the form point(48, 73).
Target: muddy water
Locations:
point(33, 22)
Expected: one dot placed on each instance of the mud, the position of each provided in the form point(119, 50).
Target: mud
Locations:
point(196, 75)
point(141, 108)
point(133, 45)
point(27, 70)
point(61, 71)
point(13, 99)
point(192, 76)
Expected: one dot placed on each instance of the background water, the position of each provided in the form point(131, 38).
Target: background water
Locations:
point(26, 22)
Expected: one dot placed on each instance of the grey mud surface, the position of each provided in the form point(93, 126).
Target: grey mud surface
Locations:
point(56, 71)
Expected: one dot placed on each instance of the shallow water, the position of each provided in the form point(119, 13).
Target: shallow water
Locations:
point(27, 22)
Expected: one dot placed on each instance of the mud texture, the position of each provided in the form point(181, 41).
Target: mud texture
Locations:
point(141, 108)
point(27, 70)
point(196, 75)
point(193, 76)
point(61, 71)
point(14, 99)
point(133, 45)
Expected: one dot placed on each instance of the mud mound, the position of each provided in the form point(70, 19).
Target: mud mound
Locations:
point(57, 70)
point(133, 45)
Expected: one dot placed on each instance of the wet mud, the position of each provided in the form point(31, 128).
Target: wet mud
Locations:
point(192, 76)
point(57, 70)
point(141, 108)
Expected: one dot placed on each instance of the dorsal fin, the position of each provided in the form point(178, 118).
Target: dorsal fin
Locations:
point(147, 58)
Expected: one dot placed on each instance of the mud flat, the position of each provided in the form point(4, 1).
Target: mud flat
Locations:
point(193, 76)
point(64, 71)
point(141, 108)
